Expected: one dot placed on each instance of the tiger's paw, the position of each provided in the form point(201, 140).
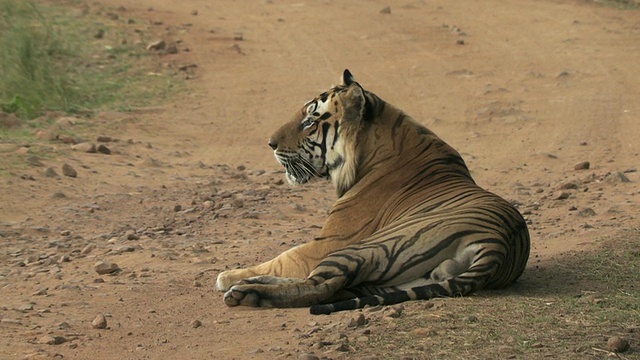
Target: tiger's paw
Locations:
point(228, 278)
point(241, 295)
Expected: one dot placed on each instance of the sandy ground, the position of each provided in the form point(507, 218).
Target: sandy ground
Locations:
point(525, 90)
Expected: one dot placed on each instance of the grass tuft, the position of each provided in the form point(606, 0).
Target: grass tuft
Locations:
point(50, 61)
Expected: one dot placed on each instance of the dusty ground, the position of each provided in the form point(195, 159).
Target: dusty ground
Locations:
point(525, 90)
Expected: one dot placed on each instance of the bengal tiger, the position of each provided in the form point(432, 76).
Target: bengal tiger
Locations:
point(409, 223)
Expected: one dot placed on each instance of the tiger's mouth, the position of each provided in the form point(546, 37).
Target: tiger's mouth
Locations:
point(300, 170)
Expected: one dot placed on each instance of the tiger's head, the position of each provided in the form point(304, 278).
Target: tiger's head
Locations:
point(320, 140)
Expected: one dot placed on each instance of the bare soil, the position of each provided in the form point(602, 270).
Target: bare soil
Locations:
point(525, 90)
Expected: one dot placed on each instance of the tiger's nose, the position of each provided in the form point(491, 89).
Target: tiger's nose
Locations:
point(273, 144)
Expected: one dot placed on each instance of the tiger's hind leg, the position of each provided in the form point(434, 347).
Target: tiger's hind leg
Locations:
point(450, 278)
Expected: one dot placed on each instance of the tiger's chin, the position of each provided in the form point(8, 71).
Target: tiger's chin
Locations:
point(294, 180)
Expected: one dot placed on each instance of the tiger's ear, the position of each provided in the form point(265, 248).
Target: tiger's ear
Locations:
point(347, 78)
point(354, 102)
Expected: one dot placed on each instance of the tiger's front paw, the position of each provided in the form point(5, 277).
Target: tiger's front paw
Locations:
point(240, 295)
point(227, 279)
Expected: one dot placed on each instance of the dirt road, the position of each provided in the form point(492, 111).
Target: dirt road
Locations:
point(525, 90)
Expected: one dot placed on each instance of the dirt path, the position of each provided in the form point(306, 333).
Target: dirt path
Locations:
point(523, 89)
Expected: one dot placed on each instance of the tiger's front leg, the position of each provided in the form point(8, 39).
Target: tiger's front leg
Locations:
point(293, 263)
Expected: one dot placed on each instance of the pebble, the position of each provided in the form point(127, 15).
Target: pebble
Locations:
point(68, 170)
point(51, 340)
point(385, 10)
point(51, 173)
point(100, 322)
point(616, 177)
point(561, 195)
point(87, 249)
point(586, 212)
point(40, 292)
point(104, 268)
point(172, 49)
point(64, 325)
point(156, 45)
point(196, 324)
point(394, 311)
point(308, 356)
point(568, 185)
point(617, 344)
point(583, 165)
point(103, 149)
point(86, 147)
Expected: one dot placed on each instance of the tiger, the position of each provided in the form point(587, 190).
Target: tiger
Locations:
point(409, 222)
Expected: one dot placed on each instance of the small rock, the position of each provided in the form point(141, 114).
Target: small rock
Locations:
point(51, 173)
point(194, 12)
point(351, 323)
point(100, 322)
point(238, 36)
point(561, 195)
point(157, 45)
point(425, 332)
point(616, 177)
point(385, 10)
point(568, 185)
point(586, 212)
point(308, 356)
point(460, 42)
point(68, 170)
point(177, 207)
point(86, 147)
point(87, 249)
point(51, 340)
point(10, 321)
point(394, 311)
point(172, 49)
point(102, 149)
point(196, 324)
point(360, 320)
point(25, 307)
point(104, 139)
point(66, 121)
point(40, 292)
point(34, 161)
point(133, 236)
point(104, 268)
point(617, 344)
point(583, 165)
point(64, 325)
point(341, 347)
point(59, 195)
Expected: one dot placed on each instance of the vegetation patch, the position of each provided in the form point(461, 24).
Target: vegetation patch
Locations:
point(64, 57)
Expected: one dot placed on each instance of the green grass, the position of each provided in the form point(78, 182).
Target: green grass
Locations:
point(50, 61)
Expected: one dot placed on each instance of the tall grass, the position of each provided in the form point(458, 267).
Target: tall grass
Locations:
point(34, 62)
point(50, 60)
